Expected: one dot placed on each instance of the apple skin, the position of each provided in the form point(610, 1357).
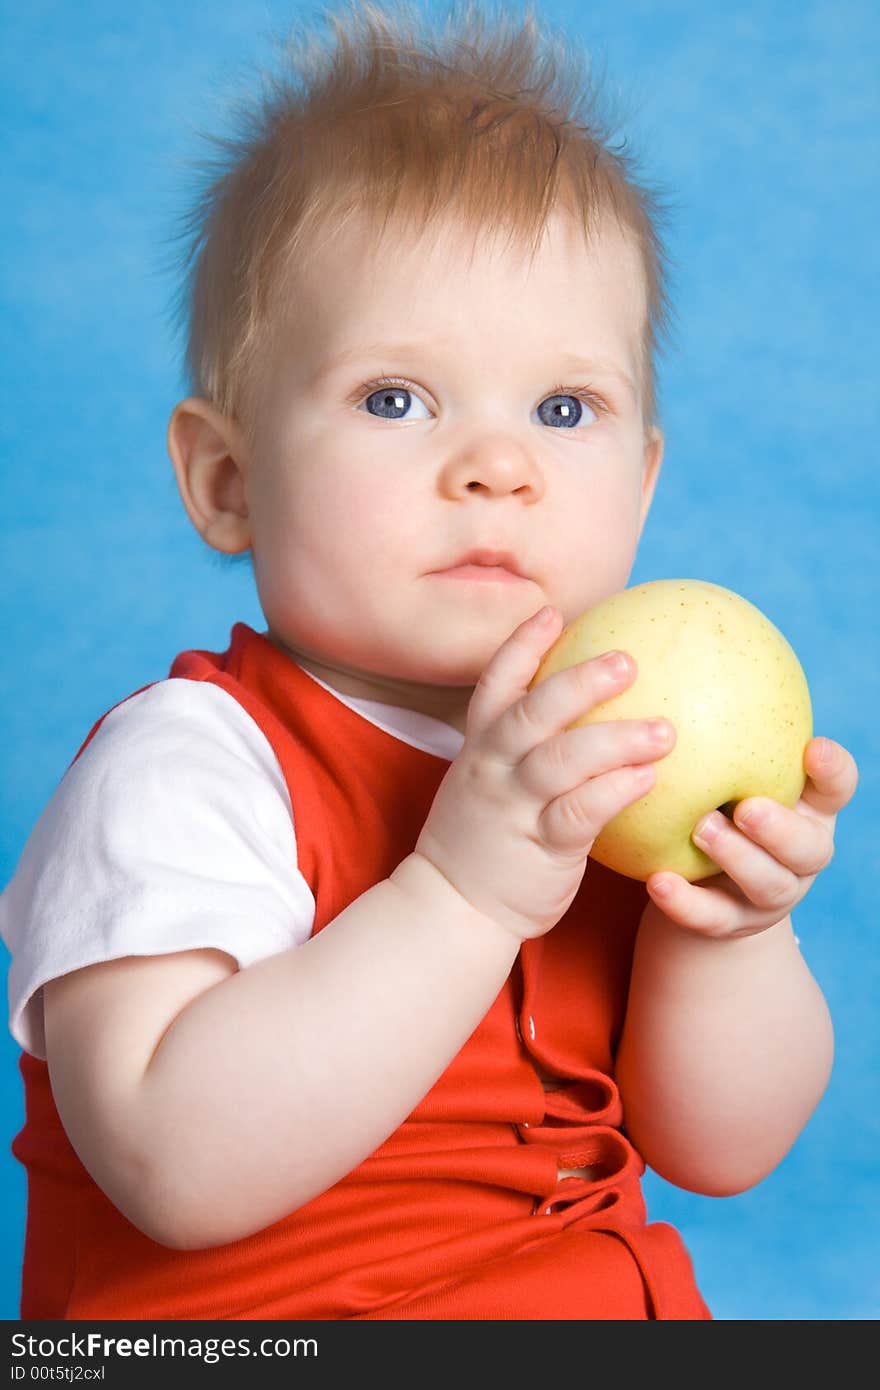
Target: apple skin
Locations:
point(722, 673)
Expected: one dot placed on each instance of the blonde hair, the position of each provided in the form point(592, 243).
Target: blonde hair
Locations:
point(491, 118)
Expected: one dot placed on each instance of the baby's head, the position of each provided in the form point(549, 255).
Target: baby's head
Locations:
point(423, 306)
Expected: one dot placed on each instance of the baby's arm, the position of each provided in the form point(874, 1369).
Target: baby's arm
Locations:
point(727, 1046)
point(209, 1103)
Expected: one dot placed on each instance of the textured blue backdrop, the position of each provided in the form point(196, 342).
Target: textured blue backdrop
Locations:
point(762, 120)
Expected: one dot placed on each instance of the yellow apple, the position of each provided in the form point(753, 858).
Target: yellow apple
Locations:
point(717, 668)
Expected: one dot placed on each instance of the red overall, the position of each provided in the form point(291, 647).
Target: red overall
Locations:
point(460, 1213)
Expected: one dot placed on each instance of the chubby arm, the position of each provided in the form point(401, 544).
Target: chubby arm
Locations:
point(209, 1102)
point(727, 1045)
point(726, 1052)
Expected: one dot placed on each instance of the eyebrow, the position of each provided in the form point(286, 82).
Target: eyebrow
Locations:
point(594, 367)
point(569, 362)
point(339, 359)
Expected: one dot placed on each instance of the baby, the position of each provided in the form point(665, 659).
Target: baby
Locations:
point(324, 1010)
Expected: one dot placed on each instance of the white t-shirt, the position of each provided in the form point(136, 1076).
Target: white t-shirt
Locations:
point(172, 830)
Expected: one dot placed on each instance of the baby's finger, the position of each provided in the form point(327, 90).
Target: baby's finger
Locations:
point(832, 775)
point(555, 703)
point(764, 881)
point(803, 844)
point(713, 906)
point(506, 678)
point(564, 762)
point(570, 824)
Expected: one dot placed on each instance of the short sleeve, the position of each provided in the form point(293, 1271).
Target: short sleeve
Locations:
point(172, 830)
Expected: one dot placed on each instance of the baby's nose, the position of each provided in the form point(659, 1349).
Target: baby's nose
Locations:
point(494, 466)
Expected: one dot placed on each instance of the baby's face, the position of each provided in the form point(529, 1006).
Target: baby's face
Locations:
point(512, 425)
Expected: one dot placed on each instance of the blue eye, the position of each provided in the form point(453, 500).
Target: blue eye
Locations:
point(393, 400)
point(563, 411)
point(392, 403)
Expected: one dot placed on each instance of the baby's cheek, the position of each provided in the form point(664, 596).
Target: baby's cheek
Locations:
point(323, 548)
point(305, 511)
point(594, 549)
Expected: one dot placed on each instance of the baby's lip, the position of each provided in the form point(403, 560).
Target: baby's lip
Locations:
point(500, 559)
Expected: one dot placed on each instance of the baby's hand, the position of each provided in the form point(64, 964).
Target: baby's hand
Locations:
point(770, 855)
point(517, 813)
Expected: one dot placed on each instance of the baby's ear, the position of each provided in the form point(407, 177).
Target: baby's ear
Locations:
point(209, 456)
point(652, 460)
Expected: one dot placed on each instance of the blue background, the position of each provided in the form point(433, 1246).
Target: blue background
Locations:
point(762, 121)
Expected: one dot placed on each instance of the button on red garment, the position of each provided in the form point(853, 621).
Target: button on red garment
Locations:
point(461, 1213)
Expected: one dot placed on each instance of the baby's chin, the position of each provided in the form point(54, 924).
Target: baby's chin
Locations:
point(386, 666)
point(446, 651)
point(445, 659)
